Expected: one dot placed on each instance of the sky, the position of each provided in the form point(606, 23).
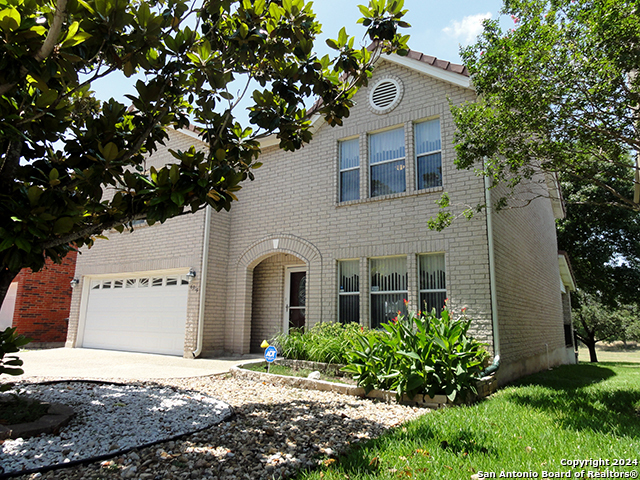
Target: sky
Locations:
point(438, 28)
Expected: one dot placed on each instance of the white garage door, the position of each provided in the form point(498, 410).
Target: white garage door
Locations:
point(137, 314)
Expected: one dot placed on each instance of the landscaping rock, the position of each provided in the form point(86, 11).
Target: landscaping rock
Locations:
point(307, 427)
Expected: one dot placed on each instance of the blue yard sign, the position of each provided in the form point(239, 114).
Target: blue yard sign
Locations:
point(270, 354)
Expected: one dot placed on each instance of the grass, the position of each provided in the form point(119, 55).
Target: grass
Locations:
point(614, 352)
point(575, 412)
point(17, 410)
point(291, 372)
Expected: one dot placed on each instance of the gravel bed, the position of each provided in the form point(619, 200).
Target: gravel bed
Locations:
point(109, 419)
point(276, 431)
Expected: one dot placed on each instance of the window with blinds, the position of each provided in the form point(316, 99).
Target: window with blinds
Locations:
point(349, 291)
point(387, 162)
point(388, 289)
point(433, 285)
point(428, 154)
point(349, 170)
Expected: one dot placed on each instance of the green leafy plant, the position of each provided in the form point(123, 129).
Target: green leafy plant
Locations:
point(324, 342)
point(10, 342)
point(21, 410)
point(419, 354)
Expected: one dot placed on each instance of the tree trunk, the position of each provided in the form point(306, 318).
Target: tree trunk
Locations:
point(6, 277)
point(592, 352)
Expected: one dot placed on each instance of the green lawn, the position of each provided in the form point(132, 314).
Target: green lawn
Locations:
point(576, 412)
point(615, 352)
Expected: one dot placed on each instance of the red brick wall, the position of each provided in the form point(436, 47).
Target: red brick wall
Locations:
point(43, 300)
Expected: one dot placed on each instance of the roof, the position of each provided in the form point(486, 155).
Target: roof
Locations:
point(566, 272)
point(436, 62)
point(426, 64)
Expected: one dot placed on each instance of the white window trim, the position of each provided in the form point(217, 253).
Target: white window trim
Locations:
point(386, 292)
point(371, 165)
point(341, 293)
point(425, 154)
point(350, 169)
point(431, 290)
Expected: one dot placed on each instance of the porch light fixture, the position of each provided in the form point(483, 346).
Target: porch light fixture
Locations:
point(191, 275)
point(74, 282)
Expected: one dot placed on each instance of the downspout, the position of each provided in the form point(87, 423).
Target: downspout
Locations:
point(492, 269)
point(203, 281)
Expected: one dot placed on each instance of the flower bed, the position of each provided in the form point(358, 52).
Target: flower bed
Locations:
point(485, 386)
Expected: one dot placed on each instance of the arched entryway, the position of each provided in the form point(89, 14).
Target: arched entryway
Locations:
point(273, 276)
point(278, 297)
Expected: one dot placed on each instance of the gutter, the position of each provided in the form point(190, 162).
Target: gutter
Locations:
point(203, 282)
point(492, 269)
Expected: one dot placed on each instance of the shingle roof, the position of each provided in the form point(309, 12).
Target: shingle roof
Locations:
point(436, 62)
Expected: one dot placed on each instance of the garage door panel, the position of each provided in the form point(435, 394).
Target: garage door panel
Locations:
point(146, 314)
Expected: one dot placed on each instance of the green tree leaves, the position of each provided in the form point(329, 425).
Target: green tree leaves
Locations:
point(559, 93)
point(60, 149)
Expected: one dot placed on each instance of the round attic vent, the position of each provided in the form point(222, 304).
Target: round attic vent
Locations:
point(385, 95)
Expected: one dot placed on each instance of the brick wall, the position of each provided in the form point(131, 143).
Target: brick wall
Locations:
point(176, 244)
point(43, 299)
point(295, 196)
point(528, 286)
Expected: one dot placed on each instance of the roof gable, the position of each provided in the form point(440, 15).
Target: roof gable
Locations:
point(452, 73)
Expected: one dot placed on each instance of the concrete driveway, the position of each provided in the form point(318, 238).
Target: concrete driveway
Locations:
point(91, 364)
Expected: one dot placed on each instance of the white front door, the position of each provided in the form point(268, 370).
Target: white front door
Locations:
point(295, 297)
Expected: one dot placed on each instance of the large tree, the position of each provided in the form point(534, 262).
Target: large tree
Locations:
point(61, 150)
point(596, 322)
point(558, 92)
point(601, 239)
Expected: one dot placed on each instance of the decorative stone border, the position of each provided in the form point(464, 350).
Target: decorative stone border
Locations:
point(486, 386)
point(57, 416)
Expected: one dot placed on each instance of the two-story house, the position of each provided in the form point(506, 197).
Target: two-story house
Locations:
point(337, 231)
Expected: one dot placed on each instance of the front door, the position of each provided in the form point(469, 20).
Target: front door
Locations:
point(295, 297)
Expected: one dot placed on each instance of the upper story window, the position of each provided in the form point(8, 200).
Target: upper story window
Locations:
point(428, 154)
point(387, 162)
point(349, 170)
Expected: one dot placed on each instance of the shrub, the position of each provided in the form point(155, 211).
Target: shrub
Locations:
point(418, 354)
point(10, 343)
point(324, 342)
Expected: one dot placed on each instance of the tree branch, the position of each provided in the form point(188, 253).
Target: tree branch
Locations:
point(9, 165)
point(54, 32)
point(48, 45)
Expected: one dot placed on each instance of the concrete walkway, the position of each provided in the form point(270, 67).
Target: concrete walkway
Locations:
point(85, 364)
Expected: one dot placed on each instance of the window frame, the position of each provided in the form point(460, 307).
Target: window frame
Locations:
point(421, 290)
point(418, 156)
point(341, 170)
point(342, 293)
point(371, 165)
point(405, 293)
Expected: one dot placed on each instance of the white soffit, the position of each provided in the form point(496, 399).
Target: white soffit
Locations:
point(435, 72)
point(565, 273)
point(555, 194)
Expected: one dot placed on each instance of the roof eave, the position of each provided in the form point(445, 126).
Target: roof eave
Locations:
point(430, 70)
point(566, 273)
point(416, 64)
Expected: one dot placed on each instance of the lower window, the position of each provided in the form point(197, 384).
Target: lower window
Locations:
point(388, 289)
point(433, 286)
point(349, 291)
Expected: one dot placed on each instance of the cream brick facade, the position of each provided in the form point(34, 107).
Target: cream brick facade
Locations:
point(291, 215)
